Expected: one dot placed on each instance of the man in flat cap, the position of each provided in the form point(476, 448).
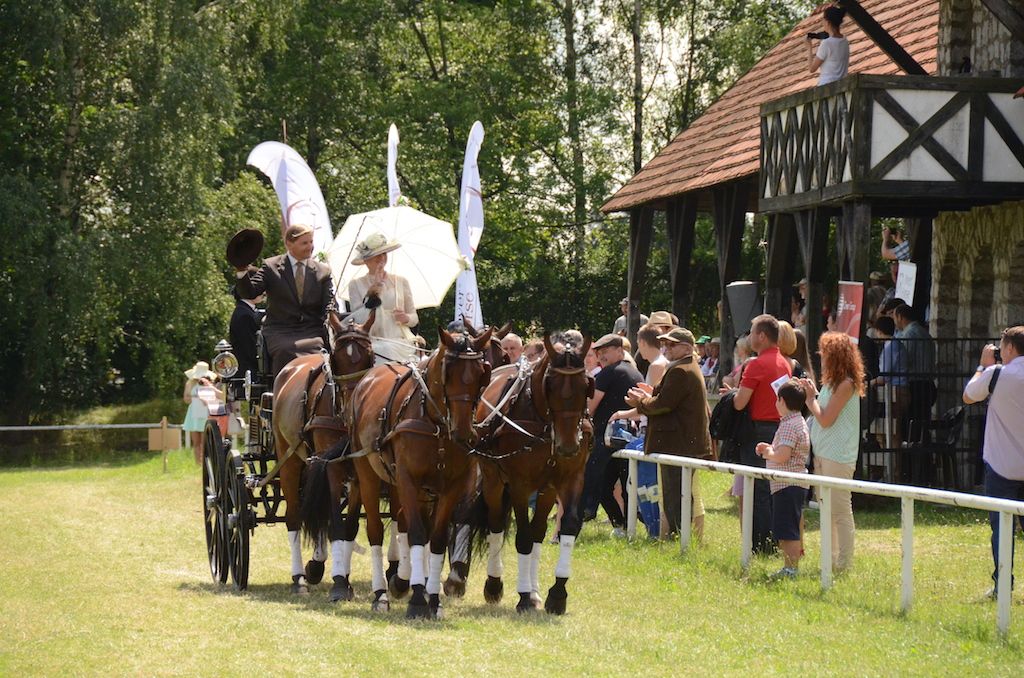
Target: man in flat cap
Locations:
point(611, 385)
point(300, 297)
point(677, 421)
point(620, 322)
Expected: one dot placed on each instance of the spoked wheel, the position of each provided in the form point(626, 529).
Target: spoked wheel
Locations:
point(213, 503)
point(240, 519)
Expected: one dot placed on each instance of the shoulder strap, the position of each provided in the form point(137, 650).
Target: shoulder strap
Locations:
point(995, 378)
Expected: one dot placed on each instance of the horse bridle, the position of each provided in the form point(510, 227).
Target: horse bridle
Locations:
point(429, 402)
point(552, 414)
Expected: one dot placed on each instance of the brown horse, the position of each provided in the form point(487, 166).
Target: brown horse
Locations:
point(309, 394)
point(494, 353)
point(536, 442)
point(416, 427)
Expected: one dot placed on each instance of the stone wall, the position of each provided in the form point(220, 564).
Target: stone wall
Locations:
point(968, 28)
point(978, 274)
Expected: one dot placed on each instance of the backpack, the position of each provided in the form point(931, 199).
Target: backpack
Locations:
point(729, 425)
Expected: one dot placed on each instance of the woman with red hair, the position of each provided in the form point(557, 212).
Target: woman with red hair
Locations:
point(835, 431)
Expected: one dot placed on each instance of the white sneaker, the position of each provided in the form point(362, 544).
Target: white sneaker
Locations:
point(618, 533)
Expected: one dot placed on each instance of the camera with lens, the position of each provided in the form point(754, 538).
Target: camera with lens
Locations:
point(820, 35)
point(999, 356)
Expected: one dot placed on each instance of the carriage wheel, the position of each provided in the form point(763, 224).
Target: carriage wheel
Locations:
point(213, 503)
point(240, 520)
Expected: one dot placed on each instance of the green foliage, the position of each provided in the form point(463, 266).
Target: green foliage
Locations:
point(124, 128)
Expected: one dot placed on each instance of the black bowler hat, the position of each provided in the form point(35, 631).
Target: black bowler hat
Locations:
point(244, 247)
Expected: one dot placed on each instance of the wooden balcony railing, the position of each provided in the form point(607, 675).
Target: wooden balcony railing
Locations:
point(948, 143)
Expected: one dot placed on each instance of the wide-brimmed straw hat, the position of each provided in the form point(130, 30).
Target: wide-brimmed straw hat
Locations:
point(200, 370)
point(371, 246)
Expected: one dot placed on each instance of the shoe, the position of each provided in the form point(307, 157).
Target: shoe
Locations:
point(618, 533)
point(784, 573)
point(988, 596)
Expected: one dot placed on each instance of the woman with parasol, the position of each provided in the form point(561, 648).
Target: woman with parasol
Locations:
point(390, 294)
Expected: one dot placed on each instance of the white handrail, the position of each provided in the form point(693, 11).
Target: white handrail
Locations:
point(906, 493)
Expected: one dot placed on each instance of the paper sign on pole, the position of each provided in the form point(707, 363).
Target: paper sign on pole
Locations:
point(906, 282)
point(849, 310)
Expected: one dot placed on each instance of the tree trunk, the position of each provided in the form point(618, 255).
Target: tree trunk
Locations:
point(638, 89)
point(575, 143)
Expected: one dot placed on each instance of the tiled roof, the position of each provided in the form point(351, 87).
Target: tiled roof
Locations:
point(724, 144)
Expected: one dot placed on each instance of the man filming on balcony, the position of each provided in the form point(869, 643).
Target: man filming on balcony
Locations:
point(1003, 386)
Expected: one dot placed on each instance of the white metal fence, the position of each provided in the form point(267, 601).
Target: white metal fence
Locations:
point(825, 484)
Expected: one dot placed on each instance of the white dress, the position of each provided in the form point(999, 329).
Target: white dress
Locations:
point(392, 341)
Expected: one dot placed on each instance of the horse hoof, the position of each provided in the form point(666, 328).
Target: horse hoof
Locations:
point(555, 604)
point(380, 602)
point(527, 603)
point(398, 587)
point(493, 589)
point(299, 585)
point(418, 607)
point(436, 611)
point(392, 570)
point(342, 589)
point(454, 588)
point(314, 572)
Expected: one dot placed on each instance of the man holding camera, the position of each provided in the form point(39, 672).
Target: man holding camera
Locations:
point(1003, 386)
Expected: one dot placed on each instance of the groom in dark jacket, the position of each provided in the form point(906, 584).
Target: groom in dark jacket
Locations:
point(300, 296)
point(677, 418)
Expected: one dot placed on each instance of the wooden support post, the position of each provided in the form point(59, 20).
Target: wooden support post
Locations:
point(730, 216)
point(781, 262)
point(919, 230)
point(641, 220)
point(812, 233)
point(681, 219)
point(882, 37)
point(855, 233)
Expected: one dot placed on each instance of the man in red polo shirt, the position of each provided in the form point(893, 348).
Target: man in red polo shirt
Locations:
point(758, 394)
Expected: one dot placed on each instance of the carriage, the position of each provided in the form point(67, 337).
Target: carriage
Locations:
point(238, 490)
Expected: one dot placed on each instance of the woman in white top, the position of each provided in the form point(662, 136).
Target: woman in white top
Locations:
point(390, 295)
point(833, 53)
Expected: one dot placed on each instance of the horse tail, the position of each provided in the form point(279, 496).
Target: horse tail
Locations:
point(474, 515)
point(315, 512)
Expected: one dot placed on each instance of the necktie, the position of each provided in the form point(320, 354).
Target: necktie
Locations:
point(300, 278)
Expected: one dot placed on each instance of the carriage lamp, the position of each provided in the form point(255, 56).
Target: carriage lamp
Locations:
point(225, 364)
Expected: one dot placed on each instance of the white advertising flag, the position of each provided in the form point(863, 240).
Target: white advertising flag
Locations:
point(297, 190)
point(393, 191)
point(471, 227)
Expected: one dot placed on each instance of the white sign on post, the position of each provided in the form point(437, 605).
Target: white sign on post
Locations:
point(906, 282)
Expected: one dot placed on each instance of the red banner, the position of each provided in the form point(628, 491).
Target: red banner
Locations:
point(848, 312)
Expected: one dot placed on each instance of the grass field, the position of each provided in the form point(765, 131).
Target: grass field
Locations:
point(104, 572)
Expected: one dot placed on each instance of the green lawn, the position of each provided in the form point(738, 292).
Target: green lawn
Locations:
point(104, 572)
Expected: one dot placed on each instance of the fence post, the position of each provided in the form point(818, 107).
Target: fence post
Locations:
point(907, 526)
point(825, 510)
point(631, 501)
point(163, 440)
point(685, 507)
point(748, 521)
point(1003, 572)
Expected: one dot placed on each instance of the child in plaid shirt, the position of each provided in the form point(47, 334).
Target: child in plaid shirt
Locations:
point(788, 452)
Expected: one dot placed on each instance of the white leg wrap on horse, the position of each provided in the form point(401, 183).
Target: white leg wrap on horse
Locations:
point(293, 541)
point(565, 546)
point(535, 569)
point(404, 566)
point(341, 558)
point(495, 568)
point(393, 553)
point(320, 551)
point(416, 565)
point(434, 576)
point(523, 581)
point(377, 568)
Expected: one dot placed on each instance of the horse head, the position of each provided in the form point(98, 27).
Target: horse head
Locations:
point(353, 351)
point(495, 354)
point(458, 374)
point(561, 394)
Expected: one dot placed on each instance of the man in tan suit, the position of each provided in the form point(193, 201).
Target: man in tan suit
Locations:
point(677, 421)
point(300, 297)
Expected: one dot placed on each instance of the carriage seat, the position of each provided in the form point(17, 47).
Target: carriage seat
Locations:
point(267, 406)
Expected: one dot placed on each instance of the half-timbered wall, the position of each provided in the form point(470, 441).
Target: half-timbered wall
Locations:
point(968, 28)
point(978, 286)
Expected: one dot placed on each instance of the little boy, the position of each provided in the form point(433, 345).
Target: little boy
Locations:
point(788, 452)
